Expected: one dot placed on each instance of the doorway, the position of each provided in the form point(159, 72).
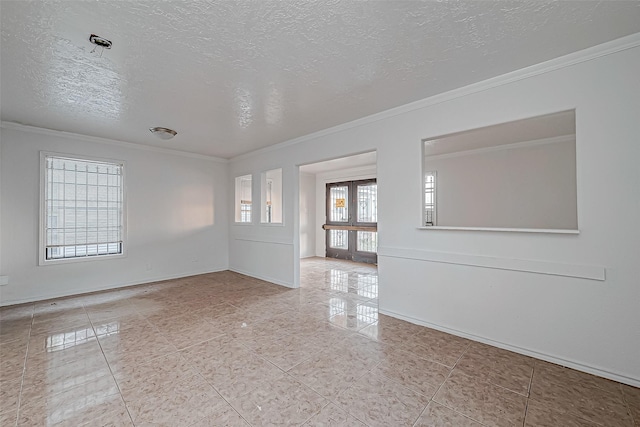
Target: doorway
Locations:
point(352, 220)
point(314, 218)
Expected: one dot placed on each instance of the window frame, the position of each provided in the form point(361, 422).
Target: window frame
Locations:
point(264, 181)
point(434, 197)
point(237, 201)
point(42, 241)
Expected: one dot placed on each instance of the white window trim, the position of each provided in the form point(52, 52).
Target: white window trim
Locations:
point(42, 261)
point(235, 202)
point(434, 196)
point(282, 199)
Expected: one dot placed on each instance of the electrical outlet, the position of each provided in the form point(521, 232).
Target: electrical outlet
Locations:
point(149, 266)
point(4, 280)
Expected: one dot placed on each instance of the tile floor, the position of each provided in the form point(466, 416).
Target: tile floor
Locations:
point(225, 349)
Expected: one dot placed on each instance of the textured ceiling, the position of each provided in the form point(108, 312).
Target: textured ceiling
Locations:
point(232, 77)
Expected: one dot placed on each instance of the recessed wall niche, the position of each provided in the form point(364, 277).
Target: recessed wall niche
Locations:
point(515, 175)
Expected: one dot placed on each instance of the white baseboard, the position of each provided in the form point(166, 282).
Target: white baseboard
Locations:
point(44, 297)
point(537, 355)
point(261, 277)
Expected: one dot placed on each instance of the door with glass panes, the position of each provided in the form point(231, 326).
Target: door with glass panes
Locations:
point(352, 220)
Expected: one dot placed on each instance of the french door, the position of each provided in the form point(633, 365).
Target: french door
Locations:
point(352, 220)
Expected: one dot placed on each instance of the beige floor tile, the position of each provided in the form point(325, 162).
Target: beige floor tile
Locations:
point(439, 347)
point(212, 349)
point(61, 312)
point(11, 373)
point(358, 350)
point(286, 351)
point(540, 415)
point(171, 367)
point(12, 350)
point(332, 416)
point(563, 391)
point(23, 311)
point(102, 312)
point(9, 396)
point(632, 398)
point(120, 323)
point(172, 402)
point(281, 401)
point(63, 340)
point(381, 402)
point(328, 375)
point(14, 331)
point(185, 334)
point(499, 367)
point(62, 326)
point(43, 380)
point(224, 415)
point(436, 415)
point(77, 406)
point(12, 363)
point(482, 401)
point(61, 355)
point(560, 374)
point(364, 316)
point(8, 419)
point(234, 376)
point(420, 375)
point(58, 305)
point(218, 310)
point(99, 380)
point(132, 347)
point(397, 333)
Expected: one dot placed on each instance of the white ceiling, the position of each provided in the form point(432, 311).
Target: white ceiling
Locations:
point(232, 77)
point(531, 129)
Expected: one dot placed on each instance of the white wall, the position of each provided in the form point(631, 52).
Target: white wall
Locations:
point(322, 179)
point(307, 215)
point(488, 285)
point(177, 217)
point(513, 186)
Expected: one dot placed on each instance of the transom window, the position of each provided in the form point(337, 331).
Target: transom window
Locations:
point(83, 208)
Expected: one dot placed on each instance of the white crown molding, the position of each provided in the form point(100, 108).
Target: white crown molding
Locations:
point(588, 54)
point(99, 140)
point(512, 146)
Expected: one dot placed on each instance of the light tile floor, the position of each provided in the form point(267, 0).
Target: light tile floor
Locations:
point(225, 349)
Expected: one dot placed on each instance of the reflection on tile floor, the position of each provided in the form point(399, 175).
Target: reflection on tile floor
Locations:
point(224, 349)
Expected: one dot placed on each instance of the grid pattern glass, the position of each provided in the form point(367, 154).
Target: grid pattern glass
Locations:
point(84, 204)
point(245, 212)
point(368, 203)
point(430, 198)
point(367, 241)
point(339, 204)
point(339, 239)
